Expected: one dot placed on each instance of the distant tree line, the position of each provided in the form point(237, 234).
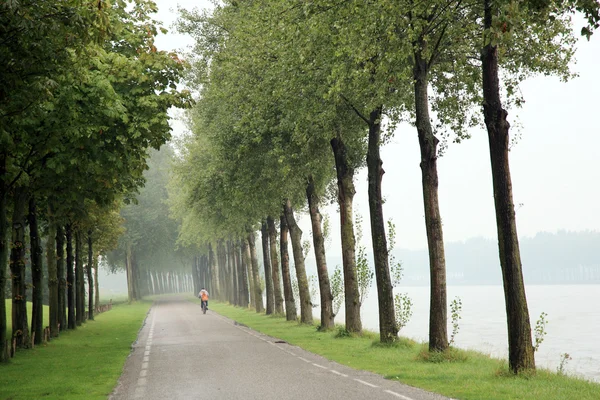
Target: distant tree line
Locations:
point(147, 250)
point(564, 257)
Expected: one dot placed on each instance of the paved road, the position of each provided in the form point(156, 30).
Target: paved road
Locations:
point(177, 340)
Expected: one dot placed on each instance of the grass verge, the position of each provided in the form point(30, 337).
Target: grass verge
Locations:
point(460, 374)
point(81, 364)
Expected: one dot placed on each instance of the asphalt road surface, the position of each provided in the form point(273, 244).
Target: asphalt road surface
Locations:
point(182, 354)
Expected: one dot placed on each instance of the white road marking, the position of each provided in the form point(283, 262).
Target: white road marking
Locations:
point(320, 366)
point(398, 395)
point(143, 373)
point(304, 359)
point(144, 365)
point(147, 348)
point(338, 373)
point(146, 359)
point(147, 353)
point(142, 382)
point(366, 383)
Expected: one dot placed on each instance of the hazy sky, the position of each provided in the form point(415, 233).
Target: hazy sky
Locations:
point(555, 165)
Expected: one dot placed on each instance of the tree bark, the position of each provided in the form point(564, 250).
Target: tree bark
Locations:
point(53, 304)
point(96, 285)
point(327, 317)
point(291, 314)
point(216, 289)
point(222, 271)
point(234, 272)
point(135, 287)
point(277, 294)
point(4, 356)
point(129, 270)
point(438, 331)
point(346, 191)
point(79, 284)
point(248, 262)
point(264, 234)
point(520, 347)
point(61, 277)
point(258, 300)
point(37, 292)
point(306, 316)
point(243, 274)
point(90, 277)
point(20, 327)
point(238, 273)
point(195, 275)
point(388, 329)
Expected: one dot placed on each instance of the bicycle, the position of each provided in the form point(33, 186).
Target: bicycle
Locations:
point(204, 306)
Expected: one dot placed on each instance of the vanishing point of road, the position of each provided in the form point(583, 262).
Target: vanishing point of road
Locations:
point(182, 354)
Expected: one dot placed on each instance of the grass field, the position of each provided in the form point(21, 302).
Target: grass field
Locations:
point(81, 364)
point(470, 375)
point(8, 303)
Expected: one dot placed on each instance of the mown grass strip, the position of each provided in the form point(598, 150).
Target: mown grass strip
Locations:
point(470, 376)
point(81, 364)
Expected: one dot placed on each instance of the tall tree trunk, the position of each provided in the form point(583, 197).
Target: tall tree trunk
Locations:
point(53, 304)
point(234, 277)
point(4, 356)
point(79, 285)
point(264, 234)
point(296, 234)
point(248, 262)
point(227, 272)
point(319, 247)
point(20, 327)
point(222, 271)
point(135, 287)
point(244, 273)
point(212, 261)
point(388, 329)
point(90, 277)
point(238, 270)
point(291, 314)
point(520, 347)
point(37, 292)
point(438, 331)
point(258, 300)
point(96, 285)
point(158, 283)
point(277, 294)
point(129, 274)
point(346, 191)
point(195, 276)
point(61, 276)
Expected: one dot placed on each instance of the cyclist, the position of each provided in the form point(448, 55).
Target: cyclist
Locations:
point(203, 295)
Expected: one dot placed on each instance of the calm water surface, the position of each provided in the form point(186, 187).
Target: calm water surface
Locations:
point(573, 322)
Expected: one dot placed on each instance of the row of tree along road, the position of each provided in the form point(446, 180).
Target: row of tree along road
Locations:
point(84, 95)
point(292, 100)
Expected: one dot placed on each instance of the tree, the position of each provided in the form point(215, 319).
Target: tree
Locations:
point(523, 28)
point(277, 293)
